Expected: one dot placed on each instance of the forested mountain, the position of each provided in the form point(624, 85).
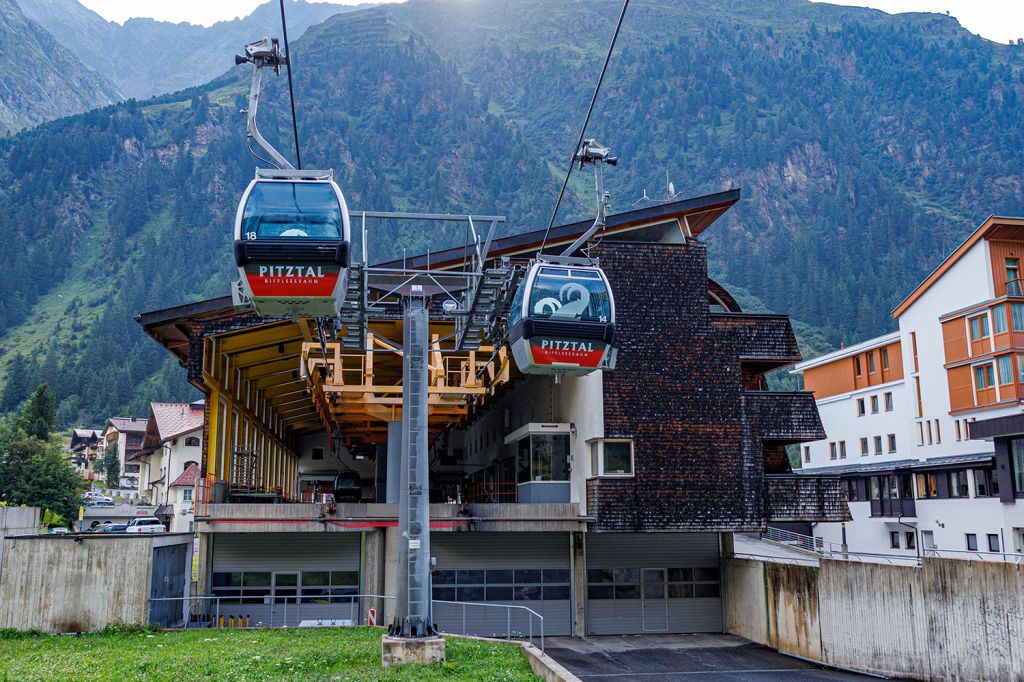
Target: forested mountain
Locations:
point(40, 79)
point(145, 57)
point(866, 146)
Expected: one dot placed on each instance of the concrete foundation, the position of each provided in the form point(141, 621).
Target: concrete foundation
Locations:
point(402, 650)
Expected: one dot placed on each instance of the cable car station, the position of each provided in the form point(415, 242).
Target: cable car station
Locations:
point(573, 498)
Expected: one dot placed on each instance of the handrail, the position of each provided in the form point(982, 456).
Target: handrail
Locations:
point(509, 607)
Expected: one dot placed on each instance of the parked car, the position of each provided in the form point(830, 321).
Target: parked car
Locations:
point(97, 499)
point(114, 528)
point(145, 524)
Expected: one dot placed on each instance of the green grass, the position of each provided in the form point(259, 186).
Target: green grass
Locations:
point(314, 654)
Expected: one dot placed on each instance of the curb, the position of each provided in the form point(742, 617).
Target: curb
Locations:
point(545, 667)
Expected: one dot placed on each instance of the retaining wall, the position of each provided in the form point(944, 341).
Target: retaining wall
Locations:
point(945, 620)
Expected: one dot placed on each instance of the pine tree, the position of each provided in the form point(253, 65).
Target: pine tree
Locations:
point(37, 417)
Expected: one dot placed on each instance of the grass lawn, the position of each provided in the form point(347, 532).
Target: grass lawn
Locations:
point(309, 654)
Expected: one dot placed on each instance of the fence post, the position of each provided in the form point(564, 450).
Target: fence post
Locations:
point(284, 623)
point(508, 626)
point(216, 620)
point(542, 635)
point(463, 618)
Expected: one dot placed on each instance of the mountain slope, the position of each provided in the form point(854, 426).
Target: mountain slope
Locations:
point(866, 146)
point(41, 79)
point(145, 57)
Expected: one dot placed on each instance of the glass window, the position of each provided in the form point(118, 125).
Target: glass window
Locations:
point(842, 449)
point(529, 575)
point(1017, 457)
point(443, 577)
point(186, 494)
point(555, 575)
point(856, 364)
point(1017, 313)
point(979, 327)
point(312, 579)
point(599, 575)
point(346, 578)
point(562, 294)
point(807, 454)
point(297, 210)
point(911, 539)
point(549, 455)
point(556, 592)
point(470, 577)
point(832, 450)
point(600, 592)
point(500, 577)
point(878, 445)
point(1013, 277)
point(860, 407)
point(863, 446)
point(885, 358)
point(981, 488)
point(445, 593)
point(874, 404)
point(618, 458)
point(876, 492)
point(871, 362)
point(888, 402)
point(993, 542)
point(984, 377)
point(894, 539)
point(999, 318)
point(470, 594)
point(958, 484)
point(499, 593)
point(972, 542)
point(892, 442)
point(1005, 369)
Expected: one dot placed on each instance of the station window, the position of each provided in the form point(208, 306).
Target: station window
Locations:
point(521, 584)
point(543, 457)
point(615, 457)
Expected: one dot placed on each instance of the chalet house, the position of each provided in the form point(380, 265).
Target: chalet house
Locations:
point(84, 448)
point(126, 434)
point(604, 502)
point(169, 460)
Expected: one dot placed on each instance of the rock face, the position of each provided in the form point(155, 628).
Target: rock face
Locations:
point(41, 79)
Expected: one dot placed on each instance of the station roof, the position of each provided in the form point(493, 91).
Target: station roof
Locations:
point(269, 350)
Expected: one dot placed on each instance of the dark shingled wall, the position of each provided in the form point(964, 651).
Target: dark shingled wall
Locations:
point(678, 392)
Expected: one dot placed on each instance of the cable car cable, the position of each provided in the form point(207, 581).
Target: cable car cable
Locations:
point(291, 91)
point(248, 143)
point(586, 121)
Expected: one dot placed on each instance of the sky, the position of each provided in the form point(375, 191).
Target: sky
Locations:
point(998, 20)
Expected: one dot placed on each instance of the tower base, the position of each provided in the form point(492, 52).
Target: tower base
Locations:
point(402, 650)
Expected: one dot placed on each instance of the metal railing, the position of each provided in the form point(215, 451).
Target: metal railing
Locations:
point(530, 615)
point(212, 611)
point(827, 549)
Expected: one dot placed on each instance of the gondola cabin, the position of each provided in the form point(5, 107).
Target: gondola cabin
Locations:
point(562, 320)
point(292, 243)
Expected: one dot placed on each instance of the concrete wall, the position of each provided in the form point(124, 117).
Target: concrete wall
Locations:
point(17, 521)
point(57, 583)
point(946, 620)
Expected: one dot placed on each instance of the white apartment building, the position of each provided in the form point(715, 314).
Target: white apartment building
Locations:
point(126, 433)
point(899, 410)
point(169, 462)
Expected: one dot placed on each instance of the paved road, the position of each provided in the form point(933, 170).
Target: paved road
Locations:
point(675, 658)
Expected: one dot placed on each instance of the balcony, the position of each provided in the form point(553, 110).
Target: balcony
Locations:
point(793, 498)
point(784, 416)
point(894, 508)
point(767, 340)
point(319, 518)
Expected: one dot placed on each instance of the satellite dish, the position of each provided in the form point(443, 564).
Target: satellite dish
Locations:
point(671, 189)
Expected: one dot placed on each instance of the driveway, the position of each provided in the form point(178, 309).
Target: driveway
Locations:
point(664, 658)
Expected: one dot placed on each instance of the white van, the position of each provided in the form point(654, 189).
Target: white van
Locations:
point(145, 524)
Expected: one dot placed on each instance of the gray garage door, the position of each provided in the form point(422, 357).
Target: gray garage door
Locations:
point(521, 569)
point(285, 578)
point(653, 582)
